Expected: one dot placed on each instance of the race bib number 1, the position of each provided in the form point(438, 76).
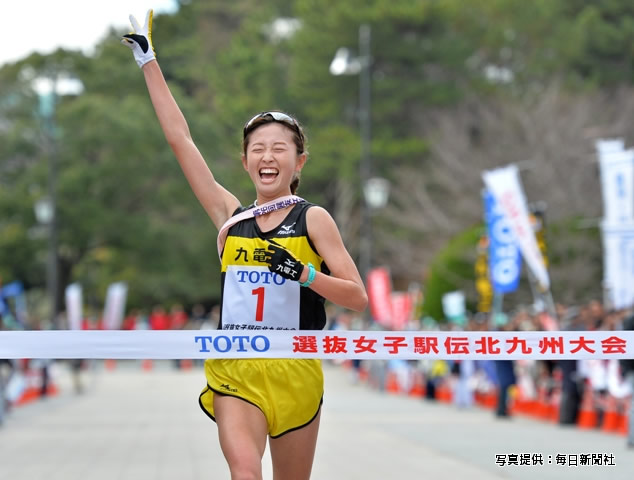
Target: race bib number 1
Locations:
point(255, 298)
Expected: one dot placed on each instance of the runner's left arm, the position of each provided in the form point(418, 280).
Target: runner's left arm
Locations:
point(343, 286)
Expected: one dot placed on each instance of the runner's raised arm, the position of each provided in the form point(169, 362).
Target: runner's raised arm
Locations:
point(218, 202)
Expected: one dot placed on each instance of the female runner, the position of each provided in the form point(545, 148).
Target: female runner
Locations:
point(278, 265)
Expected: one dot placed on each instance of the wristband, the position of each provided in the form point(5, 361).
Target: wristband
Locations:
point(311, 276)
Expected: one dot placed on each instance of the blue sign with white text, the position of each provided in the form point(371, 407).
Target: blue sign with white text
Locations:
point(505, 261)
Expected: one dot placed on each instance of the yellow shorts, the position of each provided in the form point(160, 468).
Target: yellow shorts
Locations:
point(288, 391)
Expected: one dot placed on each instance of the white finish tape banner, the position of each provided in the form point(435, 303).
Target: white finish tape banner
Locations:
point(333, 344)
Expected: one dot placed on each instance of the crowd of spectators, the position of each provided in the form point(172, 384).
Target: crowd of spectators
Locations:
point(564, 384)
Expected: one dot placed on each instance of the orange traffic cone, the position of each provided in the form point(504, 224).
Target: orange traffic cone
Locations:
point(443, 393)
point(478, 398)
point(146, 365)
point(543, 404)
point(391, 382)
point(486, 399)
point(27, 396)
point(611, 415)
point(418, 388)
point(587, 414)
point(110, 364)
point(491, 399)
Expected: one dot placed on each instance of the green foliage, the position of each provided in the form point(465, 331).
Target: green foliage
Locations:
point(451, 270)
point(127, 213)
point(600, 39)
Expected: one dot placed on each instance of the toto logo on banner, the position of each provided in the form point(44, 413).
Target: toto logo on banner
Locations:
point(505, 262)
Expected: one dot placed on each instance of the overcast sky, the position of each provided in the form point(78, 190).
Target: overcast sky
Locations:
point(42, 26)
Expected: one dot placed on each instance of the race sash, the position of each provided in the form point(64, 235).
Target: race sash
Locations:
point(268, 207)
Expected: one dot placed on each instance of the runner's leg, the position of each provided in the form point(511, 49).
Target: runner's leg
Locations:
point(293, 453)
point(242, 431)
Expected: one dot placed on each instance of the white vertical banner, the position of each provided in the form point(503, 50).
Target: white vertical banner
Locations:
point(454, 307)
point(617, 187)
point(618, 254)
point(504, 184)
point(74, 303)
point(607, 146)
point(115, 306)
point(611, 265)
point(617, 181)
point(629, 269)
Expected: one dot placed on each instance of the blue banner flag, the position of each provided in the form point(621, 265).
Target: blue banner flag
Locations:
point(505, 261)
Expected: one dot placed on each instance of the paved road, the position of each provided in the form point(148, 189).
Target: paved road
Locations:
point(133, 424)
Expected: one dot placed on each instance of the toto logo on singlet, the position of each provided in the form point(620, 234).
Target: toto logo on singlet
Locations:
point(255, 276)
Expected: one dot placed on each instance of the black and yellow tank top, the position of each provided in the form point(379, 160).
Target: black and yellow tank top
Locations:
point(253, 298)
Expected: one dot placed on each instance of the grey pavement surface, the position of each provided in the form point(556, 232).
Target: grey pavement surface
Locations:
point(137, 425)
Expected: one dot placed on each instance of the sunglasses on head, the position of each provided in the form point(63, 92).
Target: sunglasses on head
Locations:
point(271, 117)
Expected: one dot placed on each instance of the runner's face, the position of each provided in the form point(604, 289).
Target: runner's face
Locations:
point(271, 160)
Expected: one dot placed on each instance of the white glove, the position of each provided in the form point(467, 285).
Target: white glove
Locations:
point(140, 40)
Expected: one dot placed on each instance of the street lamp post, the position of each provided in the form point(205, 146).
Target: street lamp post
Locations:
point(45, 215)
point(48, 90)
point(365, 165)
point(344, 64)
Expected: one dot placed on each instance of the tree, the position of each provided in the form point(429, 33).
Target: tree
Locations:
point(457, 87)
point(551, 137)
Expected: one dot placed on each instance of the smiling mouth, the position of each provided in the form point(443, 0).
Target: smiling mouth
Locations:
point(268, 173)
